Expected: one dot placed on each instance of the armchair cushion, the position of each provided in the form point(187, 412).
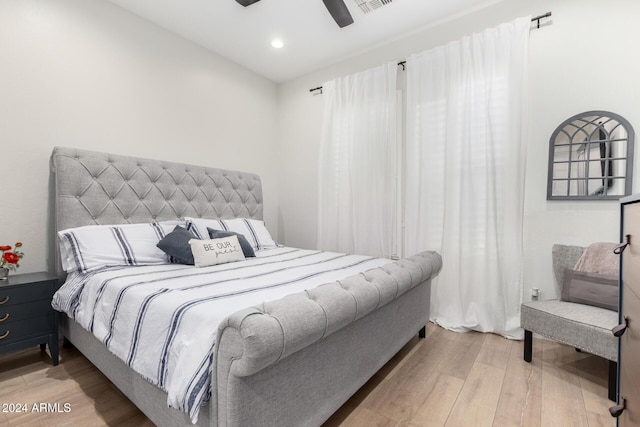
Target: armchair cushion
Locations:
point(582, 326)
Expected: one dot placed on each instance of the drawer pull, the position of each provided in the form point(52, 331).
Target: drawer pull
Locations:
point(620, 248)
point(5, 317)
point(617, 410)
point(5, 300)
point(3, 336)
point(619, 330)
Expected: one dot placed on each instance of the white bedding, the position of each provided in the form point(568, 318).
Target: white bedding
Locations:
point(162, 320)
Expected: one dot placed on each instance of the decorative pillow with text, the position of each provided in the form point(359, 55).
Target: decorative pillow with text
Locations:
point(216, 251)
point(246, 246)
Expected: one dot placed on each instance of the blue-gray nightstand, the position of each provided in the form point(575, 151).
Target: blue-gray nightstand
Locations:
point(26, 316)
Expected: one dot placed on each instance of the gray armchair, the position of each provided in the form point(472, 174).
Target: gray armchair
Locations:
point(584, 327)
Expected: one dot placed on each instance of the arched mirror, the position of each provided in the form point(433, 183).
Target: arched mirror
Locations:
point(591, 158)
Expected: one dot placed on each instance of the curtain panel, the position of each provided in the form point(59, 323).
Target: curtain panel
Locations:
point(465, 166)
point(358, 163)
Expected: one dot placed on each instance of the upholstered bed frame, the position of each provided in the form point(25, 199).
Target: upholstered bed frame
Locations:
point(289, 362)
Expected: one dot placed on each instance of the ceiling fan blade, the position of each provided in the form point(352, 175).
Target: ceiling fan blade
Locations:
point(339, 12)
point(246, 3)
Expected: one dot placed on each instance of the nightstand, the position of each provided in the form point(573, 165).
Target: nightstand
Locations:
point(26, 315)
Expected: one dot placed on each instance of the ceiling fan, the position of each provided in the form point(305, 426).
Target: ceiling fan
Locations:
point(336, 8)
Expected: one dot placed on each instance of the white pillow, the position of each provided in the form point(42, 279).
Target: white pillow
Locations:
point(252, 229)
point(94, 246)
point(216, 251)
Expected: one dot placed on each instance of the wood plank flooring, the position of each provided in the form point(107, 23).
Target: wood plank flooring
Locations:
point(448, 379)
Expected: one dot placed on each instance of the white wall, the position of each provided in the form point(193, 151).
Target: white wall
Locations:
point(584, 60)
point(85, 73)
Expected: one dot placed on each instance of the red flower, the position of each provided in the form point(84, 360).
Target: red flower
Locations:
point(5, 248)
point(18, 244)
point(10, 257)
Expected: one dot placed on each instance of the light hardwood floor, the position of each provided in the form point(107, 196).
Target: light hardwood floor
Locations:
point(449, 379)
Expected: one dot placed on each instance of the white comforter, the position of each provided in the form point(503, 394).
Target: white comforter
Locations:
point(162, 320)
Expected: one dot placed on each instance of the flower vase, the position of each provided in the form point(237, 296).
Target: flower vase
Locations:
point(4, 273)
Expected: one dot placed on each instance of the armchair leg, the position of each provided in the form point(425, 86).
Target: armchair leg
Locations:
point(613, 380)
point(528, 345)
point(423, 332)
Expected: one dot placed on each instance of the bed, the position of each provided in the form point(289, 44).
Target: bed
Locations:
point(289, 361)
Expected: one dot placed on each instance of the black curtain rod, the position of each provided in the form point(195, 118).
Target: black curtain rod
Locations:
point(539, 17)
point(403, 63)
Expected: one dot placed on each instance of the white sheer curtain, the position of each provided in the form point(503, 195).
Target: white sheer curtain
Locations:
point(465, 175)
point(358, 156)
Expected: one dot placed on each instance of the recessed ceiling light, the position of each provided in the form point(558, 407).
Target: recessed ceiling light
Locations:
point(277, 44)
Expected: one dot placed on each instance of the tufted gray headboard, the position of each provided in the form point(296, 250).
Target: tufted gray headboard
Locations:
point(100, 188)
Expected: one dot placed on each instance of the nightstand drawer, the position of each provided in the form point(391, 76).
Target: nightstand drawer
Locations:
point(26, 293)
point(631, 255)
point(15, 312)
point(630, 340)
point(16, 331)
point(629, 392)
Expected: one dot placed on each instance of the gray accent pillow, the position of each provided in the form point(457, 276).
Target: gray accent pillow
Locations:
point(247, 249)
point(590, 289)
point(176, 245)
